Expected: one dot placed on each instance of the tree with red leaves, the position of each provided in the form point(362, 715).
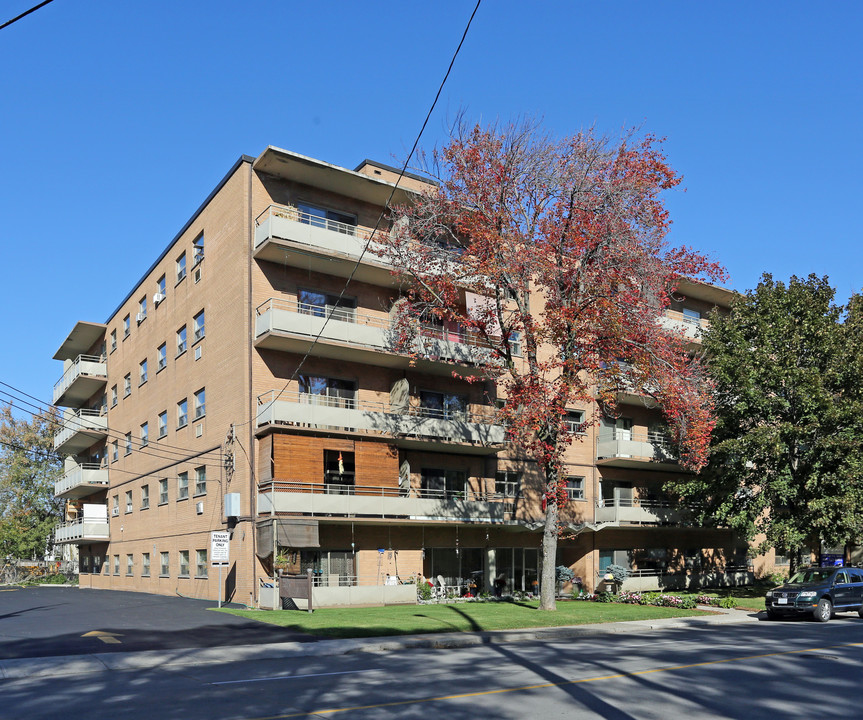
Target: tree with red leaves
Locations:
point(553, 252)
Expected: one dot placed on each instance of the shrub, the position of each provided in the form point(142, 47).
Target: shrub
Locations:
point(424, 590)
point(563, 574)
point(605, 597)
point(728, 602)
point(618, 572)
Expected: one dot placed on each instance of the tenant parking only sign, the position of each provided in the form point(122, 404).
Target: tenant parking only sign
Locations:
point(220, 547)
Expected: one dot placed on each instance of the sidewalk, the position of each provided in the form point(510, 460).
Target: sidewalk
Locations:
point(142, 660)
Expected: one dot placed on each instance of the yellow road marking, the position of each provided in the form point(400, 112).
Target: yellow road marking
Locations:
point(105, 637)
point(540, 686)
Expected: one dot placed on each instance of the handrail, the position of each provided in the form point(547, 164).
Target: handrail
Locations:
point(293, 213)
point(349, 315)
point(651, 436)
point(701, 322)
point(469, 495)
point(483, 417)
point(74, 370)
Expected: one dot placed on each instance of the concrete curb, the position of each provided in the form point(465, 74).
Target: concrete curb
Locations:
point(22, 668)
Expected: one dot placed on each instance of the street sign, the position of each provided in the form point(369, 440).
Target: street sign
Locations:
point(220, 547)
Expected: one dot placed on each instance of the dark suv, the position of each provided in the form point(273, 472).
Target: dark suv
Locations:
point(817, 591)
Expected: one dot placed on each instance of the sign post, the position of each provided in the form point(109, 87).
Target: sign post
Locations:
point(220, 553)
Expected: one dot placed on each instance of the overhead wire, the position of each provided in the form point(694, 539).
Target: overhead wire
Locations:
point(371, 236)
point(25, 14)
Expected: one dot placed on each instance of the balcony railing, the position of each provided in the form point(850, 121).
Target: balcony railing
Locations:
point(82, 480)
point(378, 418)
point(379, 501)
point(688, 326)
point(322, 234)
point(91, 527)
point(635, 444)
point(82, 378)
point(81, 429)
point(637, 511)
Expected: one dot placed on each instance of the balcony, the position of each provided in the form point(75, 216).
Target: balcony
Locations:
point(637, 511)
point(81, 429)
point(689, 327)
point(414, 427)
point(384, 502)
point(81, 480)
point(634, 448)
point(284, 234)
point(348, 335)
point(91, 527)
point(86, 375)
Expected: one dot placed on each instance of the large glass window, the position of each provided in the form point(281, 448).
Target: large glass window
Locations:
point(327, 219)
point(328, 391)
point(443, 405)
point(322, 304)
point(435, 482)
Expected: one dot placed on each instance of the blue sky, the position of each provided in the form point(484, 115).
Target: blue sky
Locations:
point(118, 118)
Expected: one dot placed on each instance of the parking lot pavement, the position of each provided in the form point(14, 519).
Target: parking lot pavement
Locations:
point(48, 621)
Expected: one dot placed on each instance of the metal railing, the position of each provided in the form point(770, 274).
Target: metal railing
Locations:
point(700, 322)
point(467, 495)
point(77, 368)
point(425, 331)
point(653, 437)
point(486, 416)
point(292, 213)
point(81, 475)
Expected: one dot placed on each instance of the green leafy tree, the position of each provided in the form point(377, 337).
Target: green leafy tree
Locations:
point(28, 470)
point(784, 467)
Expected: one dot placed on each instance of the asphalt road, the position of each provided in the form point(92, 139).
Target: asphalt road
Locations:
point(748, 671)
point(48, 621)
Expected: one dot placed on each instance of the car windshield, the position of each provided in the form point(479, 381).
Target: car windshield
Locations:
point(812, 575)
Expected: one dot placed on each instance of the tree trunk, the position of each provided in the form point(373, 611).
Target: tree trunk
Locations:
point(549, 559)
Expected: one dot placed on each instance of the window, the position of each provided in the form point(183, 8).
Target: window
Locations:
point(162, 355)
point(127, 385)
point(145, 564)
point(507, 483)
point(327, 219)
point(145, 434)
point(201, 480)
point(436, 482)
point(181, 340)
point(130, 563)
point(113, 395)
point(181, 267)
point(443, 405)
point(201, 563)
point(143, 372)
point(184, 563)
point(321, 304)
point(200, 403)
point(575, 488)
point(113, 340)
point(142, 309)
point(160, 290)
point(198, 326)
point(339, 471)
point(115, 450)
point(115, 505)
point(116, 564)
point(128, 443)
point(183, 486)
point(692, 317)
point(515, 343)
point(145, 497)
point(327, 391)
point(163, 491)
point(127, 327)
point(573, 421)
point(182, 413)
point(164, 564)
point(163, 423)
point(197, 249)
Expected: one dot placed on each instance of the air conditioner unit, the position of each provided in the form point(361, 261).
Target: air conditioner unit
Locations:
point(157, 298)
point(199, 508)
point(140, 317)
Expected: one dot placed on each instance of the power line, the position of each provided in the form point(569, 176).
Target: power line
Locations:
point(380, 216)
point(25, 14)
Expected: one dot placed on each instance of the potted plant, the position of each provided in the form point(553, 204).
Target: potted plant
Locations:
point(281, 563)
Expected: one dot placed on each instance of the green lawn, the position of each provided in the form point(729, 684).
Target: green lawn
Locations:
point(456, 617)
point(750, 597)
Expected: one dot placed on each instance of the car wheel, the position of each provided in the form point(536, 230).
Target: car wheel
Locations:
point(771, 615)
point(860, 612)
point(824, 610)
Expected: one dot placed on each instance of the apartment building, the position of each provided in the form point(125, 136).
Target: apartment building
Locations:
point(249, 383)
